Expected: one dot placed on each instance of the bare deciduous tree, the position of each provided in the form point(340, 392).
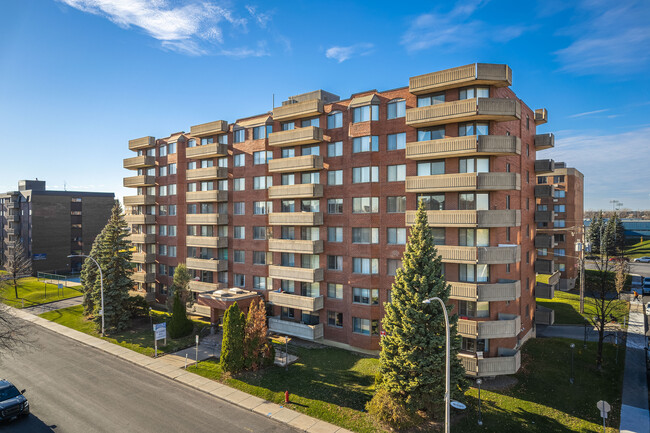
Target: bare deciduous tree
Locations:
point(17, 263)
point(14, 332)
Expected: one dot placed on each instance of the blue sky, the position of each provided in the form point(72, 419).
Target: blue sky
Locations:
point(79, 78)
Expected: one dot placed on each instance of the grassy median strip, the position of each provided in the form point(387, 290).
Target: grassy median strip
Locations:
point(33, 292)
point(567, 308)
point(640, 249)
point(139, 338)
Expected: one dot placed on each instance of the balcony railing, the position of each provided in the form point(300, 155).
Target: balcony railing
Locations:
point(207, 173)
point(544, 266)
point(469, 218)
point(487, 367)
point(142, 143)
point(484, 292)
point(506, 328)
point(303, 190)
point(139, 200)
point(544, 291)
point(206, 196)
point(297, 163)
point(291, 300)
point(139, 162)
point(544, 241)
point(544, 166)
point(143, 277)
point(466, 110)
point(544, 316)
point(135, 181)
point(199, 310)
point(143, 258)
point(200, 286)
point(298, 110)
point(463, 182)
point(464, 146)
point(474, 74)
point(296, 274)
point(140, 219)
point(206, 264)
point(206, 241)
point(296, 218)
point(142, 238)
point(480, 255)
point(544, 216)
point(210, 128)
point(212, 150)
point(544, 141)
point(295, 246)
point(541, 116)
point(207, 219)
point(296, 137)
point(296, 329)
point(542, 191)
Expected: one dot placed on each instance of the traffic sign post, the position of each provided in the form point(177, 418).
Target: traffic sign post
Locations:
point(604, 408)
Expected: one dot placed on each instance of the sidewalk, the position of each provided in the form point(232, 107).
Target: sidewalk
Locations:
point(172, 367)
point(56, 305)
point(635, 417)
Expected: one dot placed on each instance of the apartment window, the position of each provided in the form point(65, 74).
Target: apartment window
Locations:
point(288, 206)
point(287, 232)
point(262, 182)
point(259, 283)
point(162, 170)
point(474, 165)
point(171, 251)
point(560, 252)
point(334, 291)
point(335, 206)
point(473, 309)
point(207, 140)
point(335, 177)
point(474, 273)
point(365, 326)
point(288, 259)
point(558, 179)
point(365, 113)
point(192, 209)
point(561, 267)
point(259, 233)
point(559, 208)
point(162, 210)
point(309, 261)
point(162, 150)
point(396, 204)
point(310, 233)
point(431, 99)
point(541, 180)
point(365, 205)
point(191, 165)
point(334, 319)
point(335, 263)
point(365, 266)
point(429, 168)
point(396, 236)
point(365, 144)
point(259, 257)
point(335, 120)
point(559, 193)
point(222, 185)
point(542, 251)
point(172, 168)
point(507, 202)
point(239, 208)
point(542, 207)
point(171, 230)
point(559, 237)
point(473, 128)
point(396, 141)
point(365, 235)
point(365, 174)
point(191, 143)
point(288, 152)
point(239, 160)
point(396, 108)
point(239, 136)
point(262, 157)
point(314, 121)
point(239, 232)
point(365, 296)
point(310, 205)
point(426, 134)
point(207, 186)
point(474, 92)
point(263, 131)
point(239, 184)
point(171, 189)
point(527, 122)
point(432, 201)
point(162, 250)
point(392, 265)
point(162, 190)
point(473, 201)
point(262, 207)
point(559, 223)
point(288, 179)
point(335, 149)
point(397, 173)
point(311, 177)
point(239, 256)
point(335, 234)
point(288, 126)
point(239, 280)
point(474, 237)
point(310, 150)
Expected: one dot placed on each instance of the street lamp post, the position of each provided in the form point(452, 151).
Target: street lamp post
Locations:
point(447, 365)
point(478, 382)
point(572, 347)
point(101, 283)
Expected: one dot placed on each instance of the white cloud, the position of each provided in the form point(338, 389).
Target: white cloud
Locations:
point(588, 113)
point(341, 54)
point(260, 18)
point(242, 52)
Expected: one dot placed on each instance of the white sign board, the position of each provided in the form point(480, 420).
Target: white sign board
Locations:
point(160, 329)
point(604, 407)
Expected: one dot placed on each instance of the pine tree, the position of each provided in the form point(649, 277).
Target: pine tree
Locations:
point(412, 359)
point(608, 241)
point(181, 284)
point(593, 235)
point(257, 349)
point(620, 234)
point(232, 344)
point(17, 263)
point(90, 276)
point(179, 325)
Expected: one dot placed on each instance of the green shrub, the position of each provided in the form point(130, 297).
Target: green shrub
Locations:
point(391, 411)
point(179, 325)
point(137, 306)
point(232, 344)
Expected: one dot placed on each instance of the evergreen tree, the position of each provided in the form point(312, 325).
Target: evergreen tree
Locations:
point(593, 235)
point(179, 325)
point(608, 241)
point(112, 251)
point(620, 234)
point(232, 344)
point(257, 348)
point(181, 284)
point(412, 359)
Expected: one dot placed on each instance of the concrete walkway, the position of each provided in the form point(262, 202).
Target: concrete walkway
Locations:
point(56, 305)
point(172, 367)
point(635, 417)
point(575, 332)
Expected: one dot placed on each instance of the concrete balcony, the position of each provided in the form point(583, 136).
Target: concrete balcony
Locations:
point(544, 216)
point(298, 110)
point(508, 327)
point(13, 217)
point(543, 191)
point(206, 196)
point(463, 182)
point(541, 116)
point(295, 329)
point(139, 200)
point(139, 162)
point(544, 266)
point(201, 287)
point(484, 292)
point(143, 258)
point(544, 241)
point(466, 110)
point(296, 274)
point(211, 150)
point(213, 265)
point(11, 231)
point(546, 284)
point(297, 163)
point(303, 190)
point(485, 74)
point(469, 218)
point(210, 128)
point(304, 303)
point(206, 219)
point(140, 219)
point(544, 316)
point(207, 173)
point(296, 218)
point(295, 246)
point(135, 181)
point(142, 143)
point(296, 137)
point(544, 141)
point(544, 166)
point(199, 310)
point(480, 255)
point(206, 242)
point(142, 238)
point(488, 367)
point(464, 146)
point(143, 277)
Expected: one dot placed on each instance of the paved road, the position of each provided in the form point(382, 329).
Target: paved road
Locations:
point(76, 388)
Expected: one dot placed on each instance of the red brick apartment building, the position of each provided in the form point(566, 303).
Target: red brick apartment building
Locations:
point(310, 205)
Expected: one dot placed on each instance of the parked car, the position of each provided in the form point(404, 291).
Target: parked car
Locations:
point(619, 259)
point(642, 260)
point(647, 309)
point(12, 402)
point(646, 286)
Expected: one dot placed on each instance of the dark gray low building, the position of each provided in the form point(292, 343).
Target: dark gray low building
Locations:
point(52, 224)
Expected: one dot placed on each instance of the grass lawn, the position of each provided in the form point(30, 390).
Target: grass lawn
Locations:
point(33, 292)
point(139, 338)
point(567, 308)
point(334, 385)
point(640, 249)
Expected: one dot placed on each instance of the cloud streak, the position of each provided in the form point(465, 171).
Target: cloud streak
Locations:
point(341, 54)
point(587, 113)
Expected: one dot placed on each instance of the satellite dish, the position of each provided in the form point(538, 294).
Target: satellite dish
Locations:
point(457, 405)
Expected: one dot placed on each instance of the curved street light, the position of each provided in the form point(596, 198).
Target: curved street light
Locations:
point(101, 283)
point(447, 378)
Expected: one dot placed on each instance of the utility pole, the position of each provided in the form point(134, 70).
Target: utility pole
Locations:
point(582, 270)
